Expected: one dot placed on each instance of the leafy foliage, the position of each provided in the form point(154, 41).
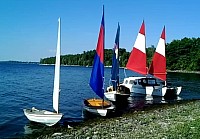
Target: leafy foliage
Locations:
point(181, 54)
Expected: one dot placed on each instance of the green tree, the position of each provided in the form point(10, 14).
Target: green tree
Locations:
point(181, 54)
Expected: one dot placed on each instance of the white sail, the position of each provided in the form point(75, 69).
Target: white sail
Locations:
point(57, 73)
point(43, 116)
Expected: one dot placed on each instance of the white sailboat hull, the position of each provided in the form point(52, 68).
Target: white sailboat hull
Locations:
point(99, 111)
point(149, 90)
point(42, 116)
point(155, 91)
point(150, 87)
point(119, 95)
point(114, 96)
point(111, 95)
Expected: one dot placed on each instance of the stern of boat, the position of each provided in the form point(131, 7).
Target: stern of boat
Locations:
point(111, 95)
point(98, 107)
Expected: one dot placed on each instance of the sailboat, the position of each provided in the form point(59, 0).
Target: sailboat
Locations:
point(43, 116)
point(96, 106)
point(115, 92)
point(145, 84)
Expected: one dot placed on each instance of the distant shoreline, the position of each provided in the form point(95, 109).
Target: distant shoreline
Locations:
point(19, 62)
point(22, 62)
point(63, 65)
point(184, 71)
point(178, 71)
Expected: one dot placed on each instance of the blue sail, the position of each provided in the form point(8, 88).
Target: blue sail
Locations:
point(97, 75)
point(115, 62)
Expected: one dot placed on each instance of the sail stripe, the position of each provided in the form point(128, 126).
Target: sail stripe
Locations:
point(100, 43)
point(161, 44)
point(140, 43)
point(142, 29)
point(134, 64)
point(163, 34)
point(161, 47)
point(97, 75)
point(157, 68)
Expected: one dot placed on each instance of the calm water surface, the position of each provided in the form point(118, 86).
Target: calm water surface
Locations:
point(31, 85)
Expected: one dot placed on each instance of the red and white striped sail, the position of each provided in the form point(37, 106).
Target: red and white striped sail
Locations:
point(137, 59)
point(158, 64)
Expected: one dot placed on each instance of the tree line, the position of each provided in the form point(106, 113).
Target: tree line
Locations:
point(181, 54)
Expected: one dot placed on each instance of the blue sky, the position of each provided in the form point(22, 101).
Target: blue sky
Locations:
point(29, 27)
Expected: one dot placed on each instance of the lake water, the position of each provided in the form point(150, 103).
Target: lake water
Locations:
point(30, 85)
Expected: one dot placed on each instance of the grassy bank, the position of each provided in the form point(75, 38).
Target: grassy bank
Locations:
point(168, 121)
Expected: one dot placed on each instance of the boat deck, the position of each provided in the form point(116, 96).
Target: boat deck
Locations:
point(38, 112)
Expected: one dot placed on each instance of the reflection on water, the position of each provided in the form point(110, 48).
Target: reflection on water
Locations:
point(135, 103)
point(138, 102)
point(30, 128)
